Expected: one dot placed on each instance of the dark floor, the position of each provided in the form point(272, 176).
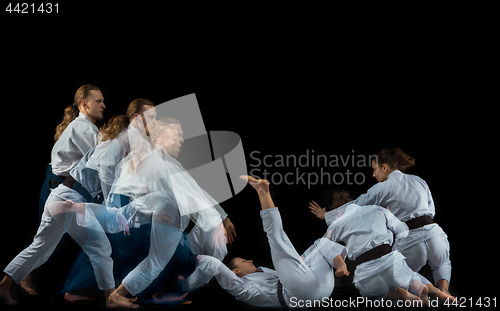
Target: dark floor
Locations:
point(207, 297)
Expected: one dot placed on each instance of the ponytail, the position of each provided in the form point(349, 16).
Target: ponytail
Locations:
point(395, 159)
point(114, 127)
point(117, 124)
point(72, 111)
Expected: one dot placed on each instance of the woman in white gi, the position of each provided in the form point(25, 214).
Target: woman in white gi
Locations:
point(367, 232)
point(408, 197)
point(297, 282)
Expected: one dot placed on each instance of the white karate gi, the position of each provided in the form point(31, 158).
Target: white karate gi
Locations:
point(94, 169)
point(92, 238)
point(363, 228)
point(79, 137)
point(408, 197)
point(168, 197)
point(311, 278)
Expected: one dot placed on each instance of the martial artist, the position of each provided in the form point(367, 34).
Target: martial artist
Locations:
point(165, 195)
point(82, 185)
point(119, 136)
point(342, 197)
point(367, 232)
point(75, 136)
point(296, 279)
point(408, 197)
point(54, 224)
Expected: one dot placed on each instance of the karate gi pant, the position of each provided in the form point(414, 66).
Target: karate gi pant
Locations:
point(164, 240)
point(435, 250)
point(311, 278)
point(377, 278)
point(92, 240)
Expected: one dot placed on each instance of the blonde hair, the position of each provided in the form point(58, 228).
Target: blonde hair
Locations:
point(117, 124)
point(160, 126)
point(72, 111)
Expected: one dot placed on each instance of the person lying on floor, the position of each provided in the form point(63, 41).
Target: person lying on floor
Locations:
point(306, 277)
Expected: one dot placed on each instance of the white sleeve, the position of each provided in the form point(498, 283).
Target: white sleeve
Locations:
point(206, 269)
point(327, 249)
point(399, 228)
point(371, 197)
point(209, 267)
point(106, 170)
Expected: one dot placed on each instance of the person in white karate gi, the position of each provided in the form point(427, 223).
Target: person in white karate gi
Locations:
point(164, 195)
point(296, 280)
point(381, 273)
point(75, 136)
point(93, 178)
point(55, 222)
point(96, 165)
point(408, 197)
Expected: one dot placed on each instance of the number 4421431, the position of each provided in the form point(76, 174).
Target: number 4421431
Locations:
point(472, 302)
point(25, 8)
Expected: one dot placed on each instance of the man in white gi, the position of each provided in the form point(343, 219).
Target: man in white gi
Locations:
point(169, 198)
point(74, 137)
point(296, 280)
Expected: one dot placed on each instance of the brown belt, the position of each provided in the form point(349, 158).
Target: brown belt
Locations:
point(69, 182)
point(374, 253)
point(419, 222)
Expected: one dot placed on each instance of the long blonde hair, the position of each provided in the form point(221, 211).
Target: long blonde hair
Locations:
point(118, 123)
point(72, 111)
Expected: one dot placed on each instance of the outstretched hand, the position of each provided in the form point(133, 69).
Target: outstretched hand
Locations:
point(230, 231)
point(261, 185)
point(317, 210)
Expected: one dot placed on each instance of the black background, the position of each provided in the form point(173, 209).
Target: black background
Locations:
point(431, 101)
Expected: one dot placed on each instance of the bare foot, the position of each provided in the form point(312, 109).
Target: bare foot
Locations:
point(424, 296)
point(27, 285)
point(417, 288)
point(402, 294)
point(261, 185)
point(74, 298)
point(5, 286)
point(443, 295)
point(115, 301)
point(6, 296)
